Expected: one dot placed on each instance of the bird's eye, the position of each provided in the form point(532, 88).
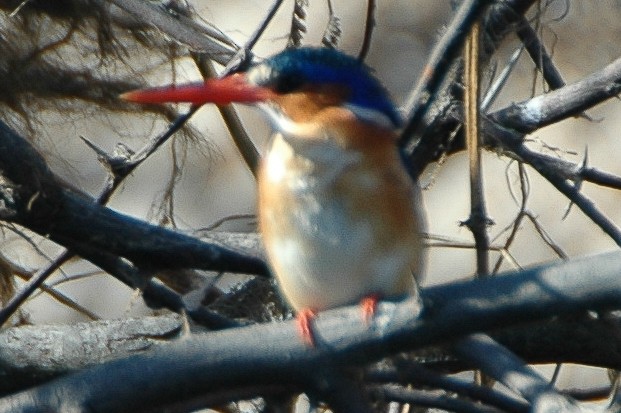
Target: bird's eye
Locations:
point(279, 81)
point(287, 82)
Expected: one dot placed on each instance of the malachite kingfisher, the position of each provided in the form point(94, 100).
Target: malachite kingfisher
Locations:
point(342, 221)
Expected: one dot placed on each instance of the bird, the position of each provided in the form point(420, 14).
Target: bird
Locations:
point(342, 221)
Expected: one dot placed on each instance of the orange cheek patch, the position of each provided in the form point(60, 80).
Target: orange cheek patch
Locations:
point(306, 104)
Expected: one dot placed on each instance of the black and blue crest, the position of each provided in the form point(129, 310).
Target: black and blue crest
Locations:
point(294, 68)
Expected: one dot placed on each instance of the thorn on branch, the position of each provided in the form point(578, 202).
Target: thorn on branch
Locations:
point(117, 163)
point(475, 221)
point(578, 181)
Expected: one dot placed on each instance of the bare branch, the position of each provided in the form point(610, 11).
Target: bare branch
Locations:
point(368, 30)
point(83, 345)
point(180, 28)
point(502, 365)
point(258, 32)
point(332, 32)
point(511, 143)
point(33, 283)
point(587, 340)
point(438, 64)
point(430, 136)
point(238, 357)
point(570, 100)
point(43, 205)
point(412, 373)
point(539, 55)
point(422, 398)
point(477, 222)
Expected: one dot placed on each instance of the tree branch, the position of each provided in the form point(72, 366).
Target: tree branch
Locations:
point(587, 340)
point(180, 28)
point(33, 197)
point(416, 375)
point(539, 55)
point(430, 134)
point(559, 104)
point(30, 354)
point(422, 398)
point(505, 130)
point(502, 365)
point(446, 50)
point(204, 363)
point(478, 220)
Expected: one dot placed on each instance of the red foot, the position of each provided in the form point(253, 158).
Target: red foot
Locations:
point(369, 305)
point(304, 319)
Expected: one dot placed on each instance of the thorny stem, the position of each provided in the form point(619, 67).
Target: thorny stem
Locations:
point(477, 222)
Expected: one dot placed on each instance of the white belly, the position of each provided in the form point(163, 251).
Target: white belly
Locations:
point(329, 261)
point(324, 253)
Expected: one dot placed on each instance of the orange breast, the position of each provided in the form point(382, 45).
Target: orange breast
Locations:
point(339, 216)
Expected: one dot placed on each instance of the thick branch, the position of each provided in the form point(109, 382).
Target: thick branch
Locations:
point(204, 363)
point(33, 197)
point(570, 100)
point(31, 354)
point(59, 349)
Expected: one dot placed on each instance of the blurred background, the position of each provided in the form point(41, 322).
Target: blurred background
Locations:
point(199, 178)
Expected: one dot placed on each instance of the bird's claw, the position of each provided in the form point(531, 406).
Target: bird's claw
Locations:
point(304, 321)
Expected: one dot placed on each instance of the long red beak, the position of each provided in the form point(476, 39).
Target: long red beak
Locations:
point(229, 89)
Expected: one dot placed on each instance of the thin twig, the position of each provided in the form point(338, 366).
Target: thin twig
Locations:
point(332, 32)
point(514, 147)
point(426, 399)
point(258, 32)
point(539, 55)
point(63, 299)
point(240, 61)
point(546, 237)
point(477, 221)
point(500, 81)
point(18, 299)
point(438, 64)
point(124, 162)
point(242, 140)
point(121, 166)
point(557, 166)
point(413, 373)
point(502, 365)
point(368, 30)
point(517, 222)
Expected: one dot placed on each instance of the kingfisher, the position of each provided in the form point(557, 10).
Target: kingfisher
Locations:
point(341, 220)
